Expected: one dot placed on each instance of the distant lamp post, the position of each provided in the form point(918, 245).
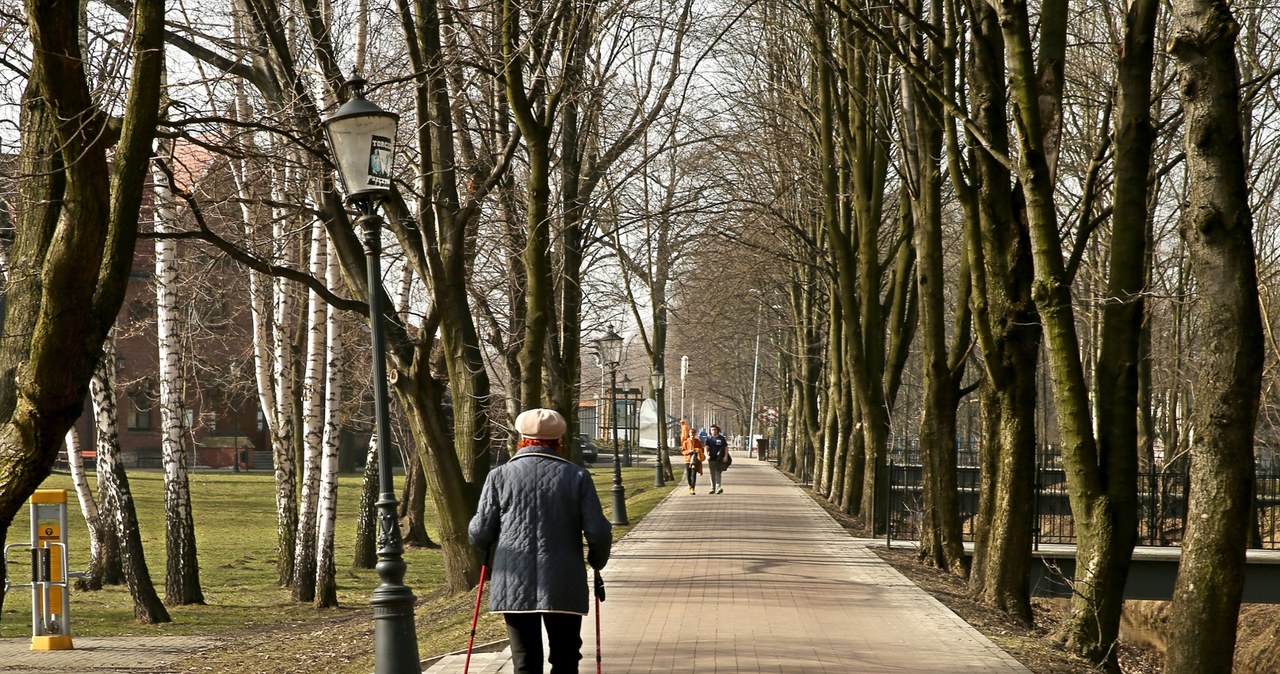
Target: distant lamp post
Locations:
point(684, 371)
point(656, 380)
point(362, 136)
point(610, 349)
point(755, 376)
point(626, 418)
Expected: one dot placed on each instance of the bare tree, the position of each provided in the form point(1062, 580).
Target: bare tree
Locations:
point(104, 551)
point(117, 499)
point(1217, 224)
point(314, 397)
point(182, 576)
point(941, 542)
point(78, 219)
point(326, 586)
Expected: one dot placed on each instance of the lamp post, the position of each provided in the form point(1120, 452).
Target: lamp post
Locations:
point(755, 375)
point(610, 349)
point(600, 416)
point(362, 136)
point(684, 371)
point(656, 380)
point(626, 418)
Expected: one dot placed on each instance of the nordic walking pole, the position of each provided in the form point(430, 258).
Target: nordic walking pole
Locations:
point(475, 615)
point(599, 598)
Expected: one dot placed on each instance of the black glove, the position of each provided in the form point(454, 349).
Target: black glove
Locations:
point(599, 587)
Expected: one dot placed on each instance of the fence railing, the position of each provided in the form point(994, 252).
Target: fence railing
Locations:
point(1162, 504)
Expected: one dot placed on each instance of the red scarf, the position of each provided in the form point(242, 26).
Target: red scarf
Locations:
point(553, 445)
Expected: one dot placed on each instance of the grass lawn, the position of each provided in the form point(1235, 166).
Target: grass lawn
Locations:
point(235, 536)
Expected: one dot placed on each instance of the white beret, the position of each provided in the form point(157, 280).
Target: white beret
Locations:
point(541, 424)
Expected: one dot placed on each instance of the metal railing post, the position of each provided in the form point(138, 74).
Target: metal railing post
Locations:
point(888, 508)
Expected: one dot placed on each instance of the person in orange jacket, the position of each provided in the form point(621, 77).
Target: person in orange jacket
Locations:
point(691, 448)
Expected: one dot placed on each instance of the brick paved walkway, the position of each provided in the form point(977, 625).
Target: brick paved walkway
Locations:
point(99, 655)
point(761, 579)
point(758, 579)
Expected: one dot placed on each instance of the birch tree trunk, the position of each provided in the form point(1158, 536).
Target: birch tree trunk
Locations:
point(282, 429)
point(103, 553)
point(1218, 227)
point(117, 499)
point(366, 552)
point(313, 427)
point(326, 586)
point(110, 568)
point(270, 302)
point(182, 569)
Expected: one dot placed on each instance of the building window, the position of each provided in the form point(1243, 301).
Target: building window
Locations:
point(262, 421)
point(139, 417)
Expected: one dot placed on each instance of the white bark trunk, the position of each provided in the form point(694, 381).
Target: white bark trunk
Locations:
point(326, 584)
point(117, 500)
point(88, 507)
point(403, 292)
point(313, 399)
point(182, 577)
point(366, 513)
point(285, 304)
point(271, 311)
point(259, 285)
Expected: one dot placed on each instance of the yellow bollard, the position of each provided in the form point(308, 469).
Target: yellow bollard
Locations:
point(50, 591)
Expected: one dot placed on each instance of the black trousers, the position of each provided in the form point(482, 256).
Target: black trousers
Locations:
point(564, 632)
point(691, 474)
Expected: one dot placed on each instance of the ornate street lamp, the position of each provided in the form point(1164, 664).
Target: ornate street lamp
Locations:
point(656, 380)
point(610, 349)
point(626, 420)
point(362, 137)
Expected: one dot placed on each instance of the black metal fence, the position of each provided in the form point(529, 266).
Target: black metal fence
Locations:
point(1162, 502)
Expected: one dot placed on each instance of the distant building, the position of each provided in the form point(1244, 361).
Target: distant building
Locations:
point(223, 426)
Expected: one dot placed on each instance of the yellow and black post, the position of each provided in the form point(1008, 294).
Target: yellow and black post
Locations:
point(50, 591)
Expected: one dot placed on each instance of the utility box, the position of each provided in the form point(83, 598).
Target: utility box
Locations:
point(50, 588)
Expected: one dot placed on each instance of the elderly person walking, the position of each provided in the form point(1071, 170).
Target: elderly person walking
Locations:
point(534, 512)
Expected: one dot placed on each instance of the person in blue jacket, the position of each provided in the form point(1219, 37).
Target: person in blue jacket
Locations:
point(717, 448)
point(534, 512)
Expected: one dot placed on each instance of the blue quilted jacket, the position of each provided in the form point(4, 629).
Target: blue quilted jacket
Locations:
point(536, 508)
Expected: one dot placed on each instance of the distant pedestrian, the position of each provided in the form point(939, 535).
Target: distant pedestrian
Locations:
point(691, 448)
point(534, 511)
point(717, 447)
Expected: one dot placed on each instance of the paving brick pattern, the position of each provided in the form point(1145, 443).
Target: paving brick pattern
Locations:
point(99, 655)
point(761, 579)
point(757, 579)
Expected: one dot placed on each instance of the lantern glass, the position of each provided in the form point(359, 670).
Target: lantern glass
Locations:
point(363, 138)
point(656, 380)
point(610, 348)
